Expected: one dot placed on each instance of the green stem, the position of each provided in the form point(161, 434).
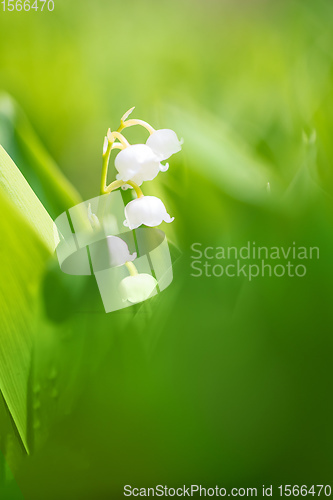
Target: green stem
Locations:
point(131, 268)
point(106, 159)
point(105, 165)
point(117, 184)
point(124, 143)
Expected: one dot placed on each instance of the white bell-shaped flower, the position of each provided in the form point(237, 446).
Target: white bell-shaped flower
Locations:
point(148, 210)
point(118, 252)
point(138, 163)
point(137, 288)
point(164, 143)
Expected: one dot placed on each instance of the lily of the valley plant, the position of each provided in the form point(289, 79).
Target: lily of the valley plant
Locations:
point(135, 164)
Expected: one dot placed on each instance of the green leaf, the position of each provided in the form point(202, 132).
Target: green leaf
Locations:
point(15, 188)
point(21, 142)
point(11, 446)
point(26, 244)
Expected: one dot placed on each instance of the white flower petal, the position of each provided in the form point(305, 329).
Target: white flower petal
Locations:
point(137, 288)
point(168, 219)
point(164, 143)
point(118, 251)
point(165, 167)
point(137, 163)
point(148, 210)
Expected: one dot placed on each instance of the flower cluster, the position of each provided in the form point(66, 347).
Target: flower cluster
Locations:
point(136, 164)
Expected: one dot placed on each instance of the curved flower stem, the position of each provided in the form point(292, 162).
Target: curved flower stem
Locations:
point(106, 158)
point(130, 123)
point(131, 268)
point(105, 165)
point(117, 184)
point(111, 136)
point(136, 188)
point(117, 145)
point(117, 135)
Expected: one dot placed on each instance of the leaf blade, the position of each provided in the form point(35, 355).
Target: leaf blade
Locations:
point(26, 232)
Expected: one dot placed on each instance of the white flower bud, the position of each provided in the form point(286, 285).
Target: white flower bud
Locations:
point(148, 210)
point(126, 115)
point(164, 143)
point(93, 219)
point(138, 163)
point(137, 288)
point(105, 145)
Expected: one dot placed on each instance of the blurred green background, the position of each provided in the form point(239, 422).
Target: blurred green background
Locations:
point(217, 380)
